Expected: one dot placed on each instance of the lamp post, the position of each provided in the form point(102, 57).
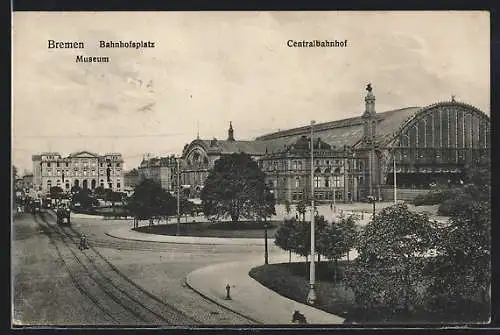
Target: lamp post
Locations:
point(394, 168)
point(394, 175)
point(311, 296)
point(266, 253)
point(178, 197)
point(372, 199)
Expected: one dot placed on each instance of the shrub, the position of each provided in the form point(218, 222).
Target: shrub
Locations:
point(434, 197)
point(452, 205)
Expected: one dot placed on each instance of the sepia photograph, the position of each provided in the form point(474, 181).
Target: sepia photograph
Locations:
point(250, 168)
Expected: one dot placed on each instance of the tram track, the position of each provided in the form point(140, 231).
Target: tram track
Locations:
point(125, 302)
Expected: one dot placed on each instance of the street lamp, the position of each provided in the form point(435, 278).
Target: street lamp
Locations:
point(394, 168)
point(372, 199)
point(178, 161)
point(334, 190)
point(266, 253)
point(394, 175)
point(311, 296)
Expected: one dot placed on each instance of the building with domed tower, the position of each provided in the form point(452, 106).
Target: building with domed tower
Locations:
point(355, 158)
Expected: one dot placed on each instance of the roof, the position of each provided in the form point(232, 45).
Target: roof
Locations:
point(229, 147)
point(343, 132)
point(83, 153)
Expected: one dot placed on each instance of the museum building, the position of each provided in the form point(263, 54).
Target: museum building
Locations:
point(358, 157)
point(81, 169)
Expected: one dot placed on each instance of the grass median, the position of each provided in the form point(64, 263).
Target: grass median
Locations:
point(291, 280)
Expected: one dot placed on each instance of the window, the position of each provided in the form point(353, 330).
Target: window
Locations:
point(48, 164)
point(327, 162)
point(297, 182)
point(316, 181)
point(336, 181)
point(57, 164)
point(117, 164)
point(100, 164)
point(118, 185)
point(67, 164)
point(327, 181)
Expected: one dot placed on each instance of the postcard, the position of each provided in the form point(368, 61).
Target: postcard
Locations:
point(250, 168)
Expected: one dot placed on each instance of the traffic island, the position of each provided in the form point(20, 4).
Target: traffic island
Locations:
point(249, 298)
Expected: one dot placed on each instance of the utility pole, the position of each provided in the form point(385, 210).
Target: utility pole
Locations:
point(311, 296)
point(178, 198)
point(394, 175)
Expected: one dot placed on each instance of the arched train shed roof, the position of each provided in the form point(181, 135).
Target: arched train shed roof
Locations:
point(348, 132)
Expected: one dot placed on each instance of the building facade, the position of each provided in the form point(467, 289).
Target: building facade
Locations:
point(131, 178)
point(161, 169)
point(359, 157)
point(27, 181)
point(81, 169)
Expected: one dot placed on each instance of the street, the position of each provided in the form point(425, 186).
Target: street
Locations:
point(114, 282)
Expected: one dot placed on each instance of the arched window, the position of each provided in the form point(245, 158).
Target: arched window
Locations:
point(297, 182)
point(316, 181)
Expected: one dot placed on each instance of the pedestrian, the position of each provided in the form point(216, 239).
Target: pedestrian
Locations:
point(297, 216)
point(331, 206)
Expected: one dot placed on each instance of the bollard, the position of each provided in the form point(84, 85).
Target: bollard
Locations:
point(228, 292)
point(362, 215)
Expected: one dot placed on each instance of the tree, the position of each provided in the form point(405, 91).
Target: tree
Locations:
point(235, 188)
point(349, 230)
point(186, 207)
point(266, 205)
point(100, 192)
point(56, 192)
point(149, 201)
point(15, 173)
point(301, 208)
point(284, 237)
point(336, 240)
point(75, 189)
point(83, 198)
point(288, 207)
point(390, 262)
point(461, 271)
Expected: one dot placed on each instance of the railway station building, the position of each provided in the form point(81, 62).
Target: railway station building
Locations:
point(358, 157)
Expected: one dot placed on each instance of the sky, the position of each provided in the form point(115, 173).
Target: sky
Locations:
point(209, 68)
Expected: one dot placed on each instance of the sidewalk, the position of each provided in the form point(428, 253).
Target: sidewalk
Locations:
point(249, 298)
point(126, 233)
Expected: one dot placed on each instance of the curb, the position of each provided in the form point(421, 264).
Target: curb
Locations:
point(206, 296)
point(253, 244)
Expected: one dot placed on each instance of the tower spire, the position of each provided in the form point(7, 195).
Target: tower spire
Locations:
point(369, 100)
point(198, 130)
point(230, 132)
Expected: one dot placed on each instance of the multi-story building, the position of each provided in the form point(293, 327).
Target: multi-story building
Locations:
point(28, 181)
point(131, 178)
point(160, 169)
point(81, 169)
point(355, 157)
